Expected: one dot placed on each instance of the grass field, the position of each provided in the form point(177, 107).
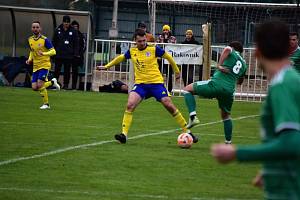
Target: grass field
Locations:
point(69, 153)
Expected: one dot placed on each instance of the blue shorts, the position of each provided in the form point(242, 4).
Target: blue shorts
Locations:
point(40, 74)
point(156, 90)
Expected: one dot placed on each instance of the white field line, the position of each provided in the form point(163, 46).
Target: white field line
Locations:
point(110, 194)
point(71, 148)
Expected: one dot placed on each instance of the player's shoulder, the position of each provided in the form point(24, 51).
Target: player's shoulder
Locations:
point(43, 37)
point(31, 37)
point(288, 77)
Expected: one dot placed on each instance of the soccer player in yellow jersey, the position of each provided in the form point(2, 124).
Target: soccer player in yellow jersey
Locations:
point(40, 51)
point(148, 82)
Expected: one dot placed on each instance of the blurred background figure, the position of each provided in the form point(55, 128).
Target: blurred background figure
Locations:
point(78, 61)
point(149, 36)
point(66, 44)
point(167, 37)
point(188, 70)
point(294, 50)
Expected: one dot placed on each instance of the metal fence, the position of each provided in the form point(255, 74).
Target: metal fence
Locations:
point(254, 87)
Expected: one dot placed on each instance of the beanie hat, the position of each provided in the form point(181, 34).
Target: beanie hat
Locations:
point(66, 18)
point(166, 27)
point(189, 31)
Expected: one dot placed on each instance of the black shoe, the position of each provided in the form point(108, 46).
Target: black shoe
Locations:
point(195, 138)
point(121, 138)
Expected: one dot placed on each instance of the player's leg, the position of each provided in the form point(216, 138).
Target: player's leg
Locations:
point(134, 98)
point(225, 104)
point(171, 108)
point(42, 84)
point(190, 102)
point(34, 81)
point(44, 94)
point(160, 93)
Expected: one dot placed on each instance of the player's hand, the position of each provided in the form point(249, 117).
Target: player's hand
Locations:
point(223, 69)
point(223, 153)
point(177, 76)
point(28, 62)
point(258, 180)
point(101, 68)
point(40, 53)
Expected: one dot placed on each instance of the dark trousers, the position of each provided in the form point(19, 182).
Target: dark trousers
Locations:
point(187, 74)
point(77, 62)
point(67, 63)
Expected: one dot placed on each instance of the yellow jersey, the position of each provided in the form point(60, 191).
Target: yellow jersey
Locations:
point(146, 68)
point(40, 43)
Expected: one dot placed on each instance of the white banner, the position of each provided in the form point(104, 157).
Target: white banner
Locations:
point(184, 54)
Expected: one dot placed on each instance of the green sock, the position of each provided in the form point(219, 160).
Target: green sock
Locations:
point(190, 102)
point(228, 129)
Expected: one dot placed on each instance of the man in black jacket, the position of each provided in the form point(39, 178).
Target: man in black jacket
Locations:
point(78, 61)
point(188, 70)
point(66, 44)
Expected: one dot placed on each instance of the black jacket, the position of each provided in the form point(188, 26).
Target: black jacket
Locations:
point(192, 41)
point(82, 44)
point(66, 43)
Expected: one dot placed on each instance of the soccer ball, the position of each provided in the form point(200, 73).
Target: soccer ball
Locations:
point(184, 140)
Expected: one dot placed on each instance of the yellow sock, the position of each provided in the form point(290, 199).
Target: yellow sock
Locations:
point(44, 95)
point(47, 84)
point(180, 120)
point(127, 119)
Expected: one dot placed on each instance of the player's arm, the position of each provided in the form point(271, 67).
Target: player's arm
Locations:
point(285, 147)
point(241, 78)
point(30, 58)
point(115, 61)
point(51, 51)
point(162, 53)
point(225, 53)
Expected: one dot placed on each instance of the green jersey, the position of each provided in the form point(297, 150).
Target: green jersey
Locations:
point(237, 66)
point(295, 58)
point(280, 120)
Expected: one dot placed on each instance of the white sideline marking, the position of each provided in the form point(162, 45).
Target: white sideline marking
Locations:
point(6, 162)
point(148, 196)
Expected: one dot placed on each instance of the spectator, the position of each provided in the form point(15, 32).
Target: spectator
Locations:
point(78, 61)
point(149, 36)
point(188, 70)
point(294, 50)
point(66, 44)
point(167, 37)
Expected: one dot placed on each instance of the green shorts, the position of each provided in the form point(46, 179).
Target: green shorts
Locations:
point(210, 89)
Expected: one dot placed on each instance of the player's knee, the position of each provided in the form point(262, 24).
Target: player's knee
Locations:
point(168, 105)
point(40, 85)
point(130, 106)
point(34, 87)
point(225, 115)
point(187, 89)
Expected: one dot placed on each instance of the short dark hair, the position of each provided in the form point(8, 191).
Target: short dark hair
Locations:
point(142, 25)
point(294, 34)
point(272, 39)
point(139, 32)
point(36, 21)
point(237, 46)
point(74, 22)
